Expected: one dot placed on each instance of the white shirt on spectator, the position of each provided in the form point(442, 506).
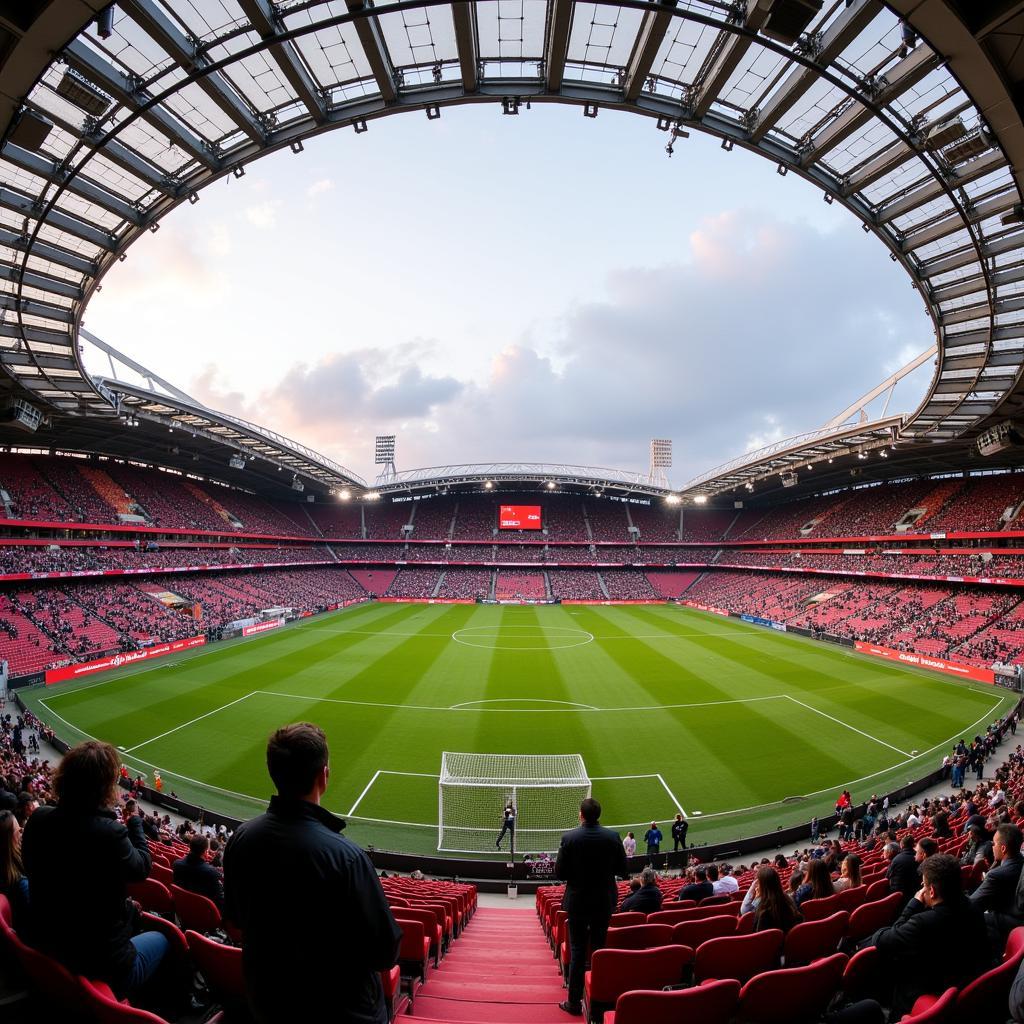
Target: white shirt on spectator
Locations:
point(726, 886)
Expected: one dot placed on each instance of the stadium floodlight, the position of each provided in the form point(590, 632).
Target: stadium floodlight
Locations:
point(345, 494)
point(474, 789)
point(551, 485)
point(701, 499)
point(672, 499)
point(488, 485)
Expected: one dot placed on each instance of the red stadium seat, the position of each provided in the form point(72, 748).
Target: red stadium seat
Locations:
point(614, 971)
point(867, 919)
point(738, 956)
point(639, 936)
point(986, 998)
point(815, 910)
point(711, 1003)
point(714, 901)
point(221, 968)
point(430, 927)
point(413, 953)
point(862, 975)
point(792, 995)
point(624, 918)
point(693, 933)
point(929, 1010)
point(851, 899)
point(152, 895)
point(102, 1006)
point(196, 913)
point(810, 940)
point(876, 890)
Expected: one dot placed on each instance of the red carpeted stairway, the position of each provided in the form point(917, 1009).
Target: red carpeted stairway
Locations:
point(499, 971)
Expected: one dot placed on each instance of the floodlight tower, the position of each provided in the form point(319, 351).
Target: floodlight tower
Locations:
point(661, 459)
point(384, 455)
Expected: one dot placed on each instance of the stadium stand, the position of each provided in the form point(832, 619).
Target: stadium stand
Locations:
point(464, 584)
point(342, 521)
point(702, 525)
point(476, 518)
point(417, 583)
point(385, 522)
point(528, 586)
point(654, 523)
point(563, 519)
point(626, 585)
point(608, 521)
point(433, 519)
point(570, 585)
point(671, 584)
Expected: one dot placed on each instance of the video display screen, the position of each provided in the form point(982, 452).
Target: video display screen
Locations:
point(520, 517)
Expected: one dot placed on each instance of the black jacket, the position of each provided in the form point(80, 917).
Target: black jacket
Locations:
point(317, 927)
point(647, 899)
point(903, 875)
point(77, 867)
point(589, 859)
point(929, 949)
point(696, 891)
point(997, 895)
point(196, 875)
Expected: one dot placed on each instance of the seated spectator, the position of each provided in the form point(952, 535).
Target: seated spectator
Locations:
point(849, 875)
point(940, 826)
point(80, 913)
point(926, 847)
point(13, 883)
point(902, 874)
point(647, 899)
point(192, 872)
point(318, 928)
point(997, 894)
point(770, 905)
point(939, 940)
point(726, 884)
point(818, 885)
point(979, 846)
point(699, 888)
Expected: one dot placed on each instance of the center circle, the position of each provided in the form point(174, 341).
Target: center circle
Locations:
point(518, 638)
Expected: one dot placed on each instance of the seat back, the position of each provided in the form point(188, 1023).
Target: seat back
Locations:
point(867, 919)
point(624, 918)
point(939, 1011)
point(639, 936)
point(102, 1006)
point(413, 937)
point(738, 956)
point(50, 979)
point(850, 899)
point(693, 933)
point(672, 916)
point(862, 974)
point(431, 928)
point(792, 995)
point(813, 939)
point(221, 968)
point(987, 997)
point(614, 971)
point(196, 913)
point(712, 1003)
point(745, 923)
point(1014, 943)
point(151, 895)
point(876, 890)
point(713, 901)
point(815, 910)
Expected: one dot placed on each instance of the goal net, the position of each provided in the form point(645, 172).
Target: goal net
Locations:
point(474, 789)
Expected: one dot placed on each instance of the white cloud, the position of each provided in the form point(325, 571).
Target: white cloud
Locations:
point(262, 215)
point(318, 188)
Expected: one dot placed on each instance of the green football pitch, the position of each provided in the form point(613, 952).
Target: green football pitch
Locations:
point(744, 728)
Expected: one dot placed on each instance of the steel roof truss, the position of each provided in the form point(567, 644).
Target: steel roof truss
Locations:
point(372, 39)
point(648, 42)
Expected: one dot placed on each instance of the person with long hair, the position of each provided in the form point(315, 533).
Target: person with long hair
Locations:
point(818, 884)
point(13, 883)
point(78, 857)
point(849, 873)
point(770, 904)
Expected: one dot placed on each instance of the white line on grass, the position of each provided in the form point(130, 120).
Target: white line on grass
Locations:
point(839, 721)
point(521, 700)
point(672, 796)
point(191, 721)
point(352, 809)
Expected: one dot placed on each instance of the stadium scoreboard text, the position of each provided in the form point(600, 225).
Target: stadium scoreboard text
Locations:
point(520, 517)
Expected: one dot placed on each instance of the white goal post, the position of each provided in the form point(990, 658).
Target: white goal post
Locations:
point(474, 789)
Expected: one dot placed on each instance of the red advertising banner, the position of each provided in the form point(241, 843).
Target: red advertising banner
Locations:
point(520, 517)
point(261, 627)
point(951, 668)
point(426, 600)
point(705, 608)
point(88, 668)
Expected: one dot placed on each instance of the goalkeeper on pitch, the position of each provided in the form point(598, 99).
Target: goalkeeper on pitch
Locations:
point(508, 825)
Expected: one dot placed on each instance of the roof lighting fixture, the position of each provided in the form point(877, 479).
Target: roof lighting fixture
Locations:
point(345, 494)
point(372, 495)
point(488, 486)
point(673, 499)
point(701, 499)
point(551, 485)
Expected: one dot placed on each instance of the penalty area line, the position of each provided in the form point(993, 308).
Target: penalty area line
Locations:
point(671, 795)
point(191, 721)
point(847, 725)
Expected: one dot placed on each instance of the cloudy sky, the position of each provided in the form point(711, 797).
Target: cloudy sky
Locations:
point(537, 288)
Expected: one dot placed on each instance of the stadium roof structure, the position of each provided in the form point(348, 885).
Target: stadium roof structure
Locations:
point(539, 475)
point(905, 113)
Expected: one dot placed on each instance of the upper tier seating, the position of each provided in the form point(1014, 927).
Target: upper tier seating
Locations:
point(526, 585)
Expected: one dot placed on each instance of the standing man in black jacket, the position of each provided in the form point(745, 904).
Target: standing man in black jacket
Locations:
point(589, 859)
point(316, 925)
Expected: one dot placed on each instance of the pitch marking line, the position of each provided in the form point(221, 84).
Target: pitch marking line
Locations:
point(521, 700)
point(191, 721)
point(671, 795)
point(839, 721)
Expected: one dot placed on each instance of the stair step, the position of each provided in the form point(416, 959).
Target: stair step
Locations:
point(495, 1013)
point(491, 990)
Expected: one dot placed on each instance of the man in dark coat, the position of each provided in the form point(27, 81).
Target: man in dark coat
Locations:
point(317, 926)
point(938, 941)
point(647, 899)
point(903, 875)
point(699, 888)
point(194, 873)
point(997, 894)
point(589, 859)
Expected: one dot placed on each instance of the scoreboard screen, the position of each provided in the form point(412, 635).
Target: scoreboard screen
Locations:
point(520, 517)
